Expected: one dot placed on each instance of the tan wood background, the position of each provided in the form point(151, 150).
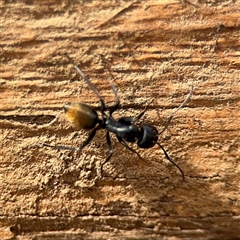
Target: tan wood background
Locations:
point(155, 50)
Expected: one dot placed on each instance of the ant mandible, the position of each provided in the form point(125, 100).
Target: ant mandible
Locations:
point(125, 128)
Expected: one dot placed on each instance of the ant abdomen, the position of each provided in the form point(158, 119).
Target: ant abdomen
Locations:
point(81, 115)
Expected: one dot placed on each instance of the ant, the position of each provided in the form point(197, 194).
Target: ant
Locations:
point(125, 128)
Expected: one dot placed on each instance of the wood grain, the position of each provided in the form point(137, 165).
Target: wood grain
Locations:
point(156, 50)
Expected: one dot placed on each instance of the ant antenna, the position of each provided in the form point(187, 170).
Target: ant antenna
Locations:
point(167, 124)
point(172, 115)
point(170, 160)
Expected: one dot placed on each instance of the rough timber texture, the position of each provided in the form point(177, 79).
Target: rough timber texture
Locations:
point(155, 50)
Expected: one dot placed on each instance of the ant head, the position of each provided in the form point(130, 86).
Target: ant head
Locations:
point(149, 136)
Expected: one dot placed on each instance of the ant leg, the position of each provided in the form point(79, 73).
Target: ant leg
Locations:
point(85, 143)
point(126, 146)
point(142, 113)
point(110, 147)
point(87, 80)
point(131, 120)
point(89, 83)
point(89, 139)
point(116, 106)
point(172, 115)
point(170, 160)
point(57, 147)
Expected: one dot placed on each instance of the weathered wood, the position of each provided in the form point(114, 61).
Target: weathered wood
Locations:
point(156, 50)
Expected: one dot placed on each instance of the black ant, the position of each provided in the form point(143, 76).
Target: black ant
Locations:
point(125, 128)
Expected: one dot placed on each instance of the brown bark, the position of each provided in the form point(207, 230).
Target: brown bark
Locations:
point(155, 50)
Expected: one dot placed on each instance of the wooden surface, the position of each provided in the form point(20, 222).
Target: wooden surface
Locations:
point(155, 50)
